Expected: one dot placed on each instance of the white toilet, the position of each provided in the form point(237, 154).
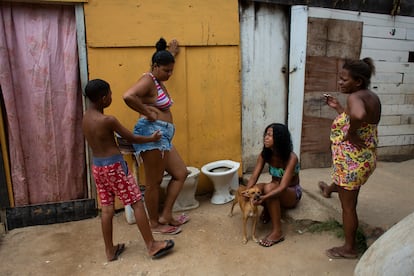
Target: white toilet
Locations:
point(186, 198)
point(223, 174)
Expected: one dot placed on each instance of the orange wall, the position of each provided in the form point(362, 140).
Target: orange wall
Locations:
point(120, 38)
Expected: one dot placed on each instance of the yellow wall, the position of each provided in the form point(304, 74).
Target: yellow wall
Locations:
point(205, 86)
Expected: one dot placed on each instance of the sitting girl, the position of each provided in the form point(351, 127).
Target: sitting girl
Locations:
point(284, 190)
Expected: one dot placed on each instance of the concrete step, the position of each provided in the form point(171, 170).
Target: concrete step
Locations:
point(310, 207)
point(383, 201)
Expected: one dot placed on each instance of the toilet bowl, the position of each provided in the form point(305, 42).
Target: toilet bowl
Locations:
point(223, 174)
point(186, 198)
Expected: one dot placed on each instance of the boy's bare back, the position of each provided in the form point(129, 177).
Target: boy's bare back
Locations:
point(99, 132)
point(99, 129)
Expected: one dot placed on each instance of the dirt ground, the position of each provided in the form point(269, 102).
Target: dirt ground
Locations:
point(210, 244)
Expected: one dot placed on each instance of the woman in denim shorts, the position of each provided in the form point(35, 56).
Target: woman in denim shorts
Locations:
point(150, 98)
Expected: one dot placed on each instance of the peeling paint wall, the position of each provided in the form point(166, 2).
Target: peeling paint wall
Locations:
point(264, 48)
point(389, 41)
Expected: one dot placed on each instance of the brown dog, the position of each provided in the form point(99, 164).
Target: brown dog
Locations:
point(245, 198)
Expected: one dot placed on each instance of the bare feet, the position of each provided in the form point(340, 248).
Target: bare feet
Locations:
point(324, 189)
point(341, 253)
point(173, 47)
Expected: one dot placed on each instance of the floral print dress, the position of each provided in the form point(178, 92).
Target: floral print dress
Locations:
point(351, 166)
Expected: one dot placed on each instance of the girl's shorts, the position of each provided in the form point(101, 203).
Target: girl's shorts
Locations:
point(144, 127)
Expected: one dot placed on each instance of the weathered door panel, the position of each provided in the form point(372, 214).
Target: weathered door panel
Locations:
point(264, 36)
point(329, 41)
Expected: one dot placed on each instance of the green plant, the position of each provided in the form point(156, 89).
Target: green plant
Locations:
point(335, 227)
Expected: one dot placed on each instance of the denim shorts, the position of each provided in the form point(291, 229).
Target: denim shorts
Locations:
point(144, 127)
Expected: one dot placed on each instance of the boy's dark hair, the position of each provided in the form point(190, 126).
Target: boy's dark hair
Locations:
point(162, 56)
point(96, 89)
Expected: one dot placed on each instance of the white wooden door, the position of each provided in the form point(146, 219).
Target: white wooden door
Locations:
point(264, 30)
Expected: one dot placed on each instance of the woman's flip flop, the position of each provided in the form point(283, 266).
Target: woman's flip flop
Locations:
point(183, 219)
point(170, 230)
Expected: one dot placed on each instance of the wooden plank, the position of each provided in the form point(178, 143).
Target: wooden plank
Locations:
point(392, 67)
point(410, 34)
point(297, 65)
point(314, 104)
point(368, 18)
point(387, 44)
point(396, 153)
point(407, 88)
point(397, 78)
point(396, 140)
point(130, 23)
point(322, 78)
point(315, 160)
point(46, 1)
point(318, 81)
point(264, 95)
point(372, 6)
point(341, 42)
point(407, 119)
point(317, 132)
point(397, 109)
point(389, 22)
point(392, 99)
point(393, 129)
point(50, 213)
point(390, 120)
point(392, 88)
point(384, 32)
point(315, 147)
point(331, 38)
point(4, 195)
point(409, 79)
point(317, 37)
point(83, 74)
point(323, 64)
point(383, 55)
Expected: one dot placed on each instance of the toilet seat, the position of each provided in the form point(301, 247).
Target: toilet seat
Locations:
point(186, 198)
point(223, 180)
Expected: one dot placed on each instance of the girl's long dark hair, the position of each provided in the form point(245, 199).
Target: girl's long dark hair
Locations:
point(282, 143)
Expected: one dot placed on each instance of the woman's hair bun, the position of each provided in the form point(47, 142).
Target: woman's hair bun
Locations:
point(161, 45)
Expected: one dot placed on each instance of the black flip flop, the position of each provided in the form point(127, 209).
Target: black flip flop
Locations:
point(120, 248)
point(268, 242)
point(165, 250)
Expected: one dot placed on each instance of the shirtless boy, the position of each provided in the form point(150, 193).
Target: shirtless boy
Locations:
point(99, 130)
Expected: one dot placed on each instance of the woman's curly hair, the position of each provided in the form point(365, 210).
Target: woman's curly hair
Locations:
point(282, 143)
